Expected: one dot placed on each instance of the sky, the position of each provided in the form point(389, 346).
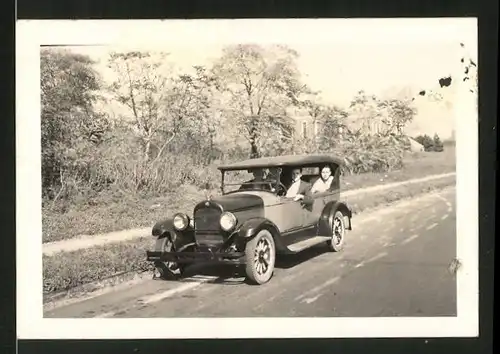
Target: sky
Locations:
point(339, 60)
point(338, 70)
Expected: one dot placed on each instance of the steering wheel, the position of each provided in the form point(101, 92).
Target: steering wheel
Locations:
point(281, 190)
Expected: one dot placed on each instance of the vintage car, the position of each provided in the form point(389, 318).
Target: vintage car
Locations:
point(255, 221)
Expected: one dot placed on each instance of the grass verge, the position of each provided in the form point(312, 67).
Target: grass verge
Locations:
point(67, 270)
point(131, 212)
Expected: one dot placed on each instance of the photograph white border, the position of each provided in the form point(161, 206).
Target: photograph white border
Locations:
point(31, 34)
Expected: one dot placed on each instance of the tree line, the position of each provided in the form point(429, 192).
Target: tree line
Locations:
point(171, 127)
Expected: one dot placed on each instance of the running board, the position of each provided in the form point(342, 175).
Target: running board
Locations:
point(302, 245)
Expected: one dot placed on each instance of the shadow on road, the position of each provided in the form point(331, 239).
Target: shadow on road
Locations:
point(290, 261)
point(235, 275)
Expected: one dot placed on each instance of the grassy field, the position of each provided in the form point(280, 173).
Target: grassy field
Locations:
point(129, 212)
point(66, 270)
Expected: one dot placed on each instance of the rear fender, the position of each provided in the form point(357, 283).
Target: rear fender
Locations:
point(325, 220)
point(252, 227)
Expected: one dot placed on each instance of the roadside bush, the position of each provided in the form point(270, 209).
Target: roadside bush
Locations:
point(426, 141)
point(372, 153)
point(438, 144)
point(430, 144)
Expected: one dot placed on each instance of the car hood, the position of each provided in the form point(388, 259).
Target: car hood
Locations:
point(238, 201)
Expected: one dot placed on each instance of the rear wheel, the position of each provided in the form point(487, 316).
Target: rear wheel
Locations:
point(260, 254)
point(338, 232)
point(167, 270)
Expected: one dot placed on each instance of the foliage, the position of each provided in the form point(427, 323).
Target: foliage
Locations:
point(260, 83)
point(173, 127)
point(372, 153)
point(70, 127)
point(426, 141)
point(430, 144)
point(163, 107)
point(373, 115)
point(331, 122)
point(438, 144)
point(399, 114)
point(365, 114)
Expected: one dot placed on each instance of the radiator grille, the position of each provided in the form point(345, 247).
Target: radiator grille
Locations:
point(207, 228)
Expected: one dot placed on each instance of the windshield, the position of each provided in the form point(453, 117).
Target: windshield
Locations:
point(260, 179)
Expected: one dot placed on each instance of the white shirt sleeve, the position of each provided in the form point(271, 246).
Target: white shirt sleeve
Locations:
point(293, 190)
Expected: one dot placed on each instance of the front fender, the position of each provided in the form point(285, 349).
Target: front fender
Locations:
point(251, 227)
point(165, 228)
point(329, 210)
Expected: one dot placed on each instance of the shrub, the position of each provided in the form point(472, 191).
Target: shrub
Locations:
point(426, 141)
point(372, 153)
point(438, 144)
point(430, 144)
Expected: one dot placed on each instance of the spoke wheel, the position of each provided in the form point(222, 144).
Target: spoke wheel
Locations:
point(260, 258)
point(338, 232)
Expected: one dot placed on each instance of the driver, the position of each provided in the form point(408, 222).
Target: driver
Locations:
point(259, 175)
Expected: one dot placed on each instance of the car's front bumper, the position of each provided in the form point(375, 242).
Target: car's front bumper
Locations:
point(196, 257)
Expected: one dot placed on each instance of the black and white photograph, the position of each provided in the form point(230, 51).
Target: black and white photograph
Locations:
point(247, 178)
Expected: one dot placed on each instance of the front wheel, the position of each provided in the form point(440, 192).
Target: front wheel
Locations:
point(338, 230)
point(167, 270)
point(260, 254)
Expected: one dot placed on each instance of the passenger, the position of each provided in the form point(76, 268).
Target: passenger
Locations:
point(324, 182)
point(298, 187)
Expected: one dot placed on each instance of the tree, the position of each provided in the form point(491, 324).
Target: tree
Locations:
point(426, 141)
point(162, 105)
point(70, 126)
point(437, 144)
point(260, 84)
point(399, 114)
point(202, 111)
point(330, 119)
point(142, 87)
point(366, 114)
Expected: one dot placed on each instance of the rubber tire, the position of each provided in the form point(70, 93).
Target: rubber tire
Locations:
point(250, 270)
point(338, 247)
point(165, 272)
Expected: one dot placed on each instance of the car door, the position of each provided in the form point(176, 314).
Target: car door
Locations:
point(319, 201)
point(287, 214)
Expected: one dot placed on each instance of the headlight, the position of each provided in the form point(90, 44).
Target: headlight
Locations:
point(227, 221)
point(181, 221)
